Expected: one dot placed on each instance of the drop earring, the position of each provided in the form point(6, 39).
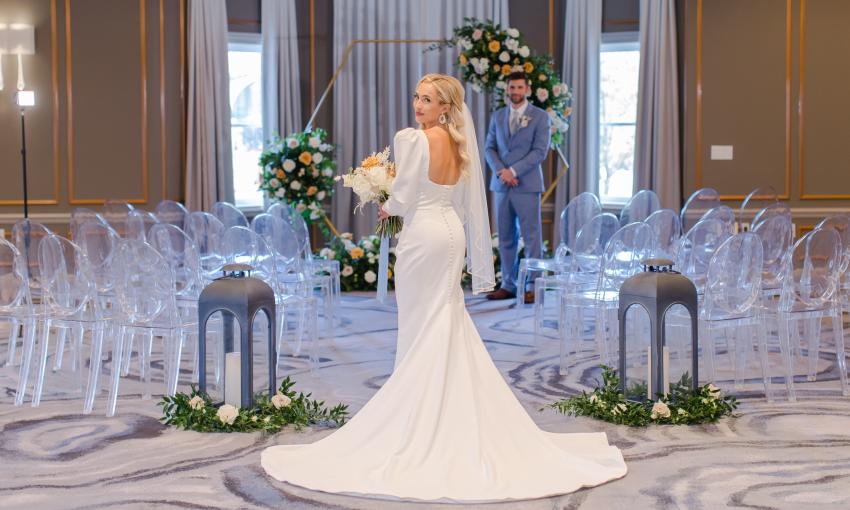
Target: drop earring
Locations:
point(443, 119)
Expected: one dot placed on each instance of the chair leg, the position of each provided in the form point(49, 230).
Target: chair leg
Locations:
point(563, 334)
point(60, 348)
point(42, 364)
point(811, 329)
point(539, 311)
point(520, 287)
point(117, 363)
point(838, 331)
point(761, 334)
point(145, 364)
point(30, 331)
point(14, 325)
point(788, 357)
point(95, 364)
point(706, 338)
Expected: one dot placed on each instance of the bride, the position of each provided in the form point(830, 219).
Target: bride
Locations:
point(445, 425)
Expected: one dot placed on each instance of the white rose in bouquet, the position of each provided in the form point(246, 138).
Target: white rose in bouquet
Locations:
point(288, 165)
point(314, 142)
point(296, 185)
point(524, 52)
point(370, 276)
point(318, 158)
point(291, 143)
point(371, 182)
point(347, 271)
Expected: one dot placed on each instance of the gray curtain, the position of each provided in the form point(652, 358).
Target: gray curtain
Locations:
point(208, 149)
point(281, 74)
point(582, 40)
point(657, 165)
point(373, 94)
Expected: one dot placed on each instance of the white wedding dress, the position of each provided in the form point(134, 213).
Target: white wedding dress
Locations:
point(445, 425)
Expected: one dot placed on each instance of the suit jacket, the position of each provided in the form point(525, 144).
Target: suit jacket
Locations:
point(524, 151)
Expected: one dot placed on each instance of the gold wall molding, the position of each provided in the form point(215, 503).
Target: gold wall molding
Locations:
point(786, 194)
point(162, 97)
point(70, 110)
point(54, 99)
point(801, 114)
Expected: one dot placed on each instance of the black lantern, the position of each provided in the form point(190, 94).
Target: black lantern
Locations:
point(656, 290)
point(237, 295)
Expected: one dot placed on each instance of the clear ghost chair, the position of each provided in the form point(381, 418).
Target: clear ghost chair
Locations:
point(777, 209)
point(578, 212)
point(700, 202)
point(639, 207)
point(295, 284)
point(81, 215)
point(328, 284)
point(725, 214)
point(841, 224)
point(69, 300)
point(139, 223)
point(586, 254)
point(732, 306)
point(777, 236)
point(15, 302)
point(242, 245)
point(174, 213)
point(115, 212)
point(207, 232)
point(27, 235)
point(667, 228)
point(229, 215)
point(147, 303)
point(620, 260)
point(695, 249)
point(755, 201)
point(809, 294)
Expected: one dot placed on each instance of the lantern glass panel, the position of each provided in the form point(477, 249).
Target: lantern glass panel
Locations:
point(637, 348)
point(677, 334)
point(260, 349)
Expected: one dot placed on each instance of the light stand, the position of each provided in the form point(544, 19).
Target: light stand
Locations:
point(25, 98)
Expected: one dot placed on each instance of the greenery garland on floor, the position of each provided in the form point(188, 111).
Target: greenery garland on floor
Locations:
point(196, 411)
point(682, 406)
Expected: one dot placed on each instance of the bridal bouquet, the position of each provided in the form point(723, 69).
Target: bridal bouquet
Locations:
point(371, 183)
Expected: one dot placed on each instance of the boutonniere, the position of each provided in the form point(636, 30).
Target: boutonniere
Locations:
point(524, 120)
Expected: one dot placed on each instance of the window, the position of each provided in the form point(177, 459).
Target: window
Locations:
point(244, 60)
point(619, 62)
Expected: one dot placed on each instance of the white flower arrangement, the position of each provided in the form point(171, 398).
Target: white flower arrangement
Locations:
point(371, 182)
point(358, 261)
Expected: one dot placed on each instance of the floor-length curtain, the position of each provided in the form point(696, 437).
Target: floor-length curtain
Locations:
point(582, 40)
point(657, 164)
point(208, 149)
point(281, 73)
point(373, 94)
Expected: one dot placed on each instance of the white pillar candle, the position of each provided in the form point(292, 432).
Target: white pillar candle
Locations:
point(649, 372)
point(233, 379)
point(666, 368)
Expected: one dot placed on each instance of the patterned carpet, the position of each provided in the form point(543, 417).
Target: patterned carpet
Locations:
point(789, 456)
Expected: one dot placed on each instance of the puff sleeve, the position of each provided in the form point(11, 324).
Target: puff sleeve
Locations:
point(410, 147)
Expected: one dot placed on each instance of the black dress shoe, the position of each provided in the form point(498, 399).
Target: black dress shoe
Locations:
point(501, 294)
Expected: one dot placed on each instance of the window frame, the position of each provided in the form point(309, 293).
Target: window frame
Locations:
point(613, 42)
point(246, 41)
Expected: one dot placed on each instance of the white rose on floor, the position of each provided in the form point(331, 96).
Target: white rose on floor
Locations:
point(327, 172)
point(370, 277)
point(320, 195)
point(280, 400)
point(504, 56)
point(619, 408)
point(288, 165)
point(594, 399)
point(542, 94)
point(660, 409)
point(280, 193)
point(296, 185)
point(227, 414)
point(524, 52)
point(347, 271)
point(476, 35)
point(318, 158)
point(292, 143)
point(274, 183)
point(513, 32)
point(714, 391)
point(315, 142)
point(196, 403)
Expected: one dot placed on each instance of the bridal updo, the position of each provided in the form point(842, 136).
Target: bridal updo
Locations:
point(450, 92)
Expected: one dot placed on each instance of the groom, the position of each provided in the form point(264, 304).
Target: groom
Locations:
point(517, 143)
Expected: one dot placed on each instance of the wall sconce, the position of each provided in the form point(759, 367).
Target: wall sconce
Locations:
point(16, 39)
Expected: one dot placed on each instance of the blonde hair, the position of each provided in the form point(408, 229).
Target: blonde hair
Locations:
point(450, 92)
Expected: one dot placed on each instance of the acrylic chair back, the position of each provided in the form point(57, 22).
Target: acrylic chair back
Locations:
point(695, 249)
point(777, 235)
point(667, 230)
point(757, 200)
point(229, 215)
point(700, 202)
point(115, 212)
point(139, 223)
point(623, 255)
point(144, 285)
point(579, 211)
point(281, 239)
point(777, 209)
point(841, 224)
point(813, 272)
point(81, 215)
point(242, 245)
point(733, 280)
point(591, 241)
point(67, 281)
point(639, 207)
point(723, 213)
point(181, 255)
point(99, 244)
point(27, 236)
point(207, 232)
point(14, 290)
point(171, 212)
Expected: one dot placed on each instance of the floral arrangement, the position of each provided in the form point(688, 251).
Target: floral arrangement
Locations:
point(197, 412)
point(371, 183)
point(489, 53)
point(299, 170)
point(681, 406)
point(358, 261)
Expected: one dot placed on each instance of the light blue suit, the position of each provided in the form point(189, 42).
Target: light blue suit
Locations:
point(524, 151)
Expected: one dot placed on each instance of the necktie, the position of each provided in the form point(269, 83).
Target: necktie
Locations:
point(514, 122)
